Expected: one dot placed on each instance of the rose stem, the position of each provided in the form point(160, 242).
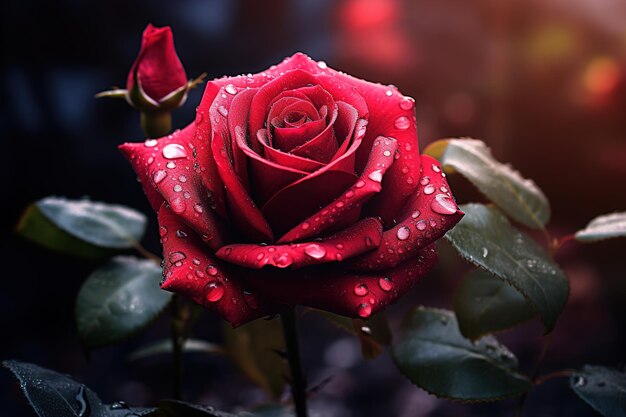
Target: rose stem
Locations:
point(298, 382)
point(177, 324)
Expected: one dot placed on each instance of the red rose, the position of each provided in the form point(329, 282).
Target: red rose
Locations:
point(157, 71)
point(297, 185)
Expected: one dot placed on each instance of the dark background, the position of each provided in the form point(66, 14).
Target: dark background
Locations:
point(541, 81)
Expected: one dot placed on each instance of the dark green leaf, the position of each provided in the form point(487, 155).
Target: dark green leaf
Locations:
point(602, 388)
point(253, 348)
point(373, 333)
point(486, 238)
point(603, 227)
point(485, 304)
point(165, 347)
point(38, 228)
point(518, 197)
point(99, 224)
point(434, 355)
point(118, 300)
point(53, 395)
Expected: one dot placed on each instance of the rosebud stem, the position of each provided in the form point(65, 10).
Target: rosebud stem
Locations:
point(157, 124)
point(298, 381)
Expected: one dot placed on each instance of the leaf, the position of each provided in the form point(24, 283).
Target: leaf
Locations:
point(602, 388)
point(486, 238)
point(484, 304)
point(437, 358)
point(518, 197)
point(118, 300)
point(253, 348)
point(98, 224)
point(52, 394)
point(36, 227)
point(603, 227)
point(373, 333)
point(165, 347)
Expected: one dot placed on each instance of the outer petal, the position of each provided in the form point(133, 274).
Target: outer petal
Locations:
point(167, 166)
point(428, 216)
point(355, 240)
point(353, 295)
point(346, 208)
point(190, 270)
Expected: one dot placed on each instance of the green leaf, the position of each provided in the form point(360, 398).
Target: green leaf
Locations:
point(518, 197)
point(253, 348)
point(485, 304)
point(602, 388)
point(434, 355)
point(373, 333)
point(52, 394)
point(98, 224)
point(603, 227)
point(118, 300)
point(165, 347)
point(487, 239)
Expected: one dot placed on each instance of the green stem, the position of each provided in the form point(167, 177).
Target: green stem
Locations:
point(177, 324)
point(156, 125)
point(298, 381)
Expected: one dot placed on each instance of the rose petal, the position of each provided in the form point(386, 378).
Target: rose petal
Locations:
point(348, 294)
point(428, 216)
point(191, 271)
point(167, 166)
point(323, 146)
point(346, 208)
point(344, 127)
point(355, 240)
point(286, 159)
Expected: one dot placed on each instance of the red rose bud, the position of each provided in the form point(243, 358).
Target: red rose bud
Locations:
point(157, 73)
point(297, 185)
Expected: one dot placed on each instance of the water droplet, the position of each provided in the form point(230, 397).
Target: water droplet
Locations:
point(178, 205)
point(360, 184)
point(360, 290)
point(119, 405)
point(159, 176)
point(230, 89)
point(306, 225)
point(429, 189)
point(424, 180)
point(283, 261)
point(415, 214)
point(174, 151)
point(421, 225)
point(580, 381)
point(151, 143)
point(368, 241)
point(407, 103)
point(376, 176)
point(170, 165)
point(198, 208)
point(443, 189)
point(178, 188)
point(260, 256)
point(436, 168)
point(315, 251)
point(403, 233)
point(196, 261)
point(444, 320)
point(215, 291)
point(339, 246)
point(211, 270)
point(388, 93)
point(361, 128)
point(402, 123)
point(162, 231)
point(176, 257)
point(364, 310)
point(223, 111)
point(442, 204)
point(349, 194)
point(150, 160)
point(322, 64)
point(199, 118)
point(182, 178)
point(366, 330)
point(385, 283)
point(485, 252)
point(387, 153)
point(180, 234)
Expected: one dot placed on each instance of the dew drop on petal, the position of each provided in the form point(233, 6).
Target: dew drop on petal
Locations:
point(315, 251)
point(211, 270)
point(407, 103)
point(360, 290)
point(162, 231)
point(159, 176)
point(376, 176)
point(150, 143)
point(443, 204)
point(415, 214)
point(388, 93)
point(283, 261)
point(198, 208)
point(180, 234)
point(421, 225)
point(436, 168)
point(178, 188)
point(387, 153)
point(215, 291)
point(403, 233)
point(322, 64)
point(176, 257)
point(174, 151)
point(306, 225)
point(360, 184)
point(178, 205)
point(364, 310)
point(429, 189)
point(402, 123)
point(223, 111)
point(230, 89)
point(196, 261)
point(171, 165)
point(260, 256)
point(385, 284)
point(424, 180)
